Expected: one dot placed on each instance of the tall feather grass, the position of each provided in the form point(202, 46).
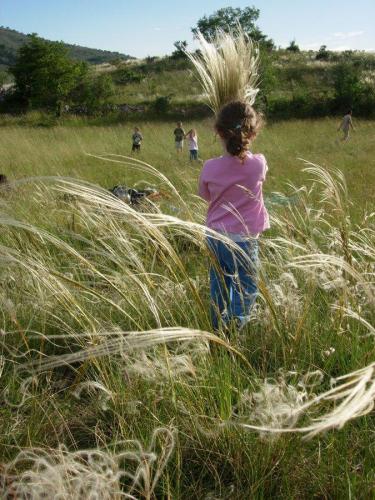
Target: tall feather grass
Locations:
point(226, 67)
point(130, 473)
point(105, 333)
point(109, 315)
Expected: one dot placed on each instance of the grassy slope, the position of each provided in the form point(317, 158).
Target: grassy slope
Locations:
point(288, 76)
point(181, 85)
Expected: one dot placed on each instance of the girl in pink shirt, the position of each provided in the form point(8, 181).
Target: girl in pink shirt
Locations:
point(232, 186)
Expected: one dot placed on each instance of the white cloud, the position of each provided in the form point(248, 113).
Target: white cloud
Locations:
point(349, 34)
point(341, 48)
point(338, 41)
point(310, 46)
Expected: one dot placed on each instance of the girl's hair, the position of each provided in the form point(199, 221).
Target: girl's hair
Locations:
point(237, 123)
point(192, 132)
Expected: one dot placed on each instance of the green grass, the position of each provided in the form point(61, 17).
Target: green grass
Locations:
point(60, 150)
point(89, 264)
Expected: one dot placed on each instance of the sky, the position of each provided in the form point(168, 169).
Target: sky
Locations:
point(150, 27)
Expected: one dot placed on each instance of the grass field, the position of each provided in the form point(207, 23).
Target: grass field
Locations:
point(184, 413)
point(61, 150)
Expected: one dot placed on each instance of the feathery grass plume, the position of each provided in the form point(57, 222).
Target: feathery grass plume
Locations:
point(130, 473)
point(227, 68)
point(354, 315)
point(335, 194)
point(2, 364)
point(352, 397)
point(104, 395)
point(122, 343)
point(275, 405)
point(153, 366)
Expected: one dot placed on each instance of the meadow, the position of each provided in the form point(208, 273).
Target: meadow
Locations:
point(112, 383)
point(61, 150)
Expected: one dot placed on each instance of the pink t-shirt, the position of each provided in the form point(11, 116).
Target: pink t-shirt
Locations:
point(233, 189)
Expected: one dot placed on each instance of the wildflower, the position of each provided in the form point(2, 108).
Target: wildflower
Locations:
point(329, 352)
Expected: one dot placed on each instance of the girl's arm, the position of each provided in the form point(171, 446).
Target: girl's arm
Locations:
point(264, 168)
point(203, 191)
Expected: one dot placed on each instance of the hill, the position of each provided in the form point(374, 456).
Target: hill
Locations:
point(292, 84)
point(298, 84)
point(12, 40)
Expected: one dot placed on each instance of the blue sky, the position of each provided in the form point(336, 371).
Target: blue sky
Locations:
point(145, 27)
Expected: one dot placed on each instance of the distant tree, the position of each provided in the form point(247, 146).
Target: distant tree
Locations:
point(161, 104)
point(322, 54)
point(347, 82)
point(228, 18)
point(180, 46)
point(268, 77)
point(150, 59)
point(44, 75)
point(128, 75)
point(293, 47)
point(93, 92)
point(7, 55)
point(102, 90)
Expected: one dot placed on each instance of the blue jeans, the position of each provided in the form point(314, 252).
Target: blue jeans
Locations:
point(193, 154)
point(233, 280)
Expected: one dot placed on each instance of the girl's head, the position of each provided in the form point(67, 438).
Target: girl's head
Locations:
point(192, 132)
point(237, 123)
point(136, 129)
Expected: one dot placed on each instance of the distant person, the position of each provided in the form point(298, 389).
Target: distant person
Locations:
point(179, 136)
point(137, 138)
point(346, 124)
point(192, 138)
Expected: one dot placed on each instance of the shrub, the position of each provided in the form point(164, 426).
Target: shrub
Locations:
point(161, 104)
point(93, 93)
point(347, 84)
point(128, 75)
point(303, 105)
point(323, 54)
point(180, 46)
point(268, 77)
point(293, 47)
